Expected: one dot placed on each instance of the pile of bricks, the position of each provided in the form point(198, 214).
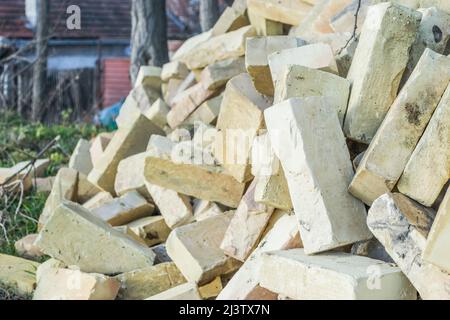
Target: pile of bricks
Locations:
point(283, 154)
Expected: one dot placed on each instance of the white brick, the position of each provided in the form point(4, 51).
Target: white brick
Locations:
point(308, 140)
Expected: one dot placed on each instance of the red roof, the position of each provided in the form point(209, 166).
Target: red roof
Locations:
point(104, 19)
point(99, 19)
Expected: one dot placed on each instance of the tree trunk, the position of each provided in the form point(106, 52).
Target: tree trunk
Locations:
point(149, 35)
point(209, 13)
point(40, 66)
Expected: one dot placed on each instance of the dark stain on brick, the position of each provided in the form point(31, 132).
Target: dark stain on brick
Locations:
point(413, 113)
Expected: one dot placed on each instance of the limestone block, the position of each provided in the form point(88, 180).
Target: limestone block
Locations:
point(216, 75)
point(240, 118)
point(174, 69)
point(81, 157)
point(264, 27)
point(240, 6)
point(316, 56)
point(357, 160)
point(271, 185)
point(175, 208)
point(37, 169)
point(218, 48)
point(180, 135)
point(433, 33)
point(153, 230)
point(263, 159)
point(150, 77)
point(402, 226)
point(301, 82)
point(318, 19)
point(187, 102)
point(273, 191)
point(428, 169)
point(143, 283)
point(127, 208)
point(333, 276)
point(130, 176)
point(205, 209)
point(98, 146)
point(316, 162)
point(244, 285)
point(18, 274)
point(187, 291)
point(138, 103)
point(44, 185)
point(212, 289)
point(388, 154)
point(290, 12)
point(76, 237)
point(440, 4)
point(344, 20)
point(336, 41)
point(195, 249)
point(13, 181)
point(199, 181)
point(160, 145)
point(413, 4)
point(345, 57)
point(207, 113)
point(378, 65)
point(157, 113)
point(230, 20)
point(256, 58)
point(131, 234)
point(65, 284)
point(171, 89)
point(125, 143)
point(25, 247)
point(85, 189)
point(436, 248)
point(191, 44)
point(204, 137)
point(246, 226)
point(98, 200)
point(64, 188)
point(49, 264)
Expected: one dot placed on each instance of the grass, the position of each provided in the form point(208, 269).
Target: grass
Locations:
point(23, 223)
point(21, 141)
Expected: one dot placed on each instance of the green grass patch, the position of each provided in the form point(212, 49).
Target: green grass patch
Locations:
point(21, 140)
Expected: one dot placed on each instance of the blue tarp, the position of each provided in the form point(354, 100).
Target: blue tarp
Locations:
point(107, 117)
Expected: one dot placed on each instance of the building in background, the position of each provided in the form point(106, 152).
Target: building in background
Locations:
point(87, 68)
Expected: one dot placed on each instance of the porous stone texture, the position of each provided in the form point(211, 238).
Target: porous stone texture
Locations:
point(388, 154)
point(334, 276)
point(307, 138)
point(436, 248)
point(402, 226)
point(246, 226)
point(143, 283)
point(195, 249)
point(301, 82)
point(428, 169)
point(76, 237)
point(378, 65)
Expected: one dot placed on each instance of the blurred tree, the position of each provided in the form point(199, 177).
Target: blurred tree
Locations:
point(209, 13)
point(149, 35)
point(40, 65)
